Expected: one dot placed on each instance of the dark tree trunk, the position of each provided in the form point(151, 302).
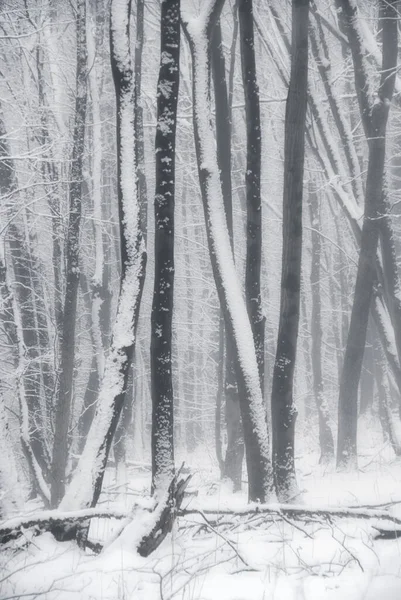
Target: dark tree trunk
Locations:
point(325, 433)
point(375, 121)
point(252, 180)
point(235, 444)
point(283, 409)
point(162, 307)
point(384, 328)
point(122, 431)
point(88, 404)
point(63, 406)
point(236, 320)
point(138, 116)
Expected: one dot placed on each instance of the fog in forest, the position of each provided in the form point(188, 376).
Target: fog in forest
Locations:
point(200, 299)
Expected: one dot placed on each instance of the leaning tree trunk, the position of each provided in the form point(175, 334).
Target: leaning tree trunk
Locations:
point(86, 484)
point(138, 118)
point(253, 183)
point(283, 409)
point(163, 292)
point(374, 118)
point(64, 401)
point(235, 444)
point(238, 327)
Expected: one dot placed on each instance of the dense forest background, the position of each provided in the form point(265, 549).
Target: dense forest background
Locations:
point(199, 252)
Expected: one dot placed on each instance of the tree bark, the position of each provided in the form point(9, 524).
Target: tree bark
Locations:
point(283, 409)
point(162, 307)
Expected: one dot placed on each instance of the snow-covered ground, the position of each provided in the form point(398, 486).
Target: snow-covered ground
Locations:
point(240, 558)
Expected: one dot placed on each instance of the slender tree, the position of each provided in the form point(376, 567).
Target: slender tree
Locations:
point(87, 480)
point(139, 133)
point(239, 331)
point(328, 158)
point(253, 182)
point(163, 293)
point(235, 444)
point(374, 118)
point(283, 409)
point(64, 401)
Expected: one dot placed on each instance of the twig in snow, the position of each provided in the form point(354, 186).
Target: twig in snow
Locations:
point(226, 540)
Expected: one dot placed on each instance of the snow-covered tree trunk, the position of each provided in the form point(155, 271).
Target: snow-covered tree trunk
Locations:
point(374, 118)
point(99, 284)
point(235, 443)
point(86, 484)
point(138, 117)
point(253, 182)
point(239, 331)
point(163, 291)
point(283, 409)
point(67, 347)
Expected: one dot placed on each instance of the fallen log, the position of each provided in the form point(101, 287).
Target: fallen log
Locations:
point(169, 508)
point(65, 525)
point(297, 511)
point(50, 520)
